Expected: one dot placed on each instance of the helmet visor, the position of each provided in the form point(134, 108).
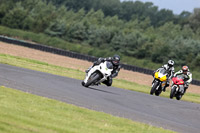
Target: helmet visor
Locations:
point(115, 61)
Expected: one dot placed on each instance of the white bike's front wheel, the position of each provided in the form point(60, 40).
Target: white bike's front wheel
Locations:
point(92, 79)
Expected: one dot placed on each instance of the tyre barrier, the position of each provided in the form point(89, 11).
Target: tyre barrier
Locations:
point(75, 55)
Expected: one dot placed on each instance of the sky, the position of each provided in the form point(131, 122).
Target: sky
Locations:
point(177, 6)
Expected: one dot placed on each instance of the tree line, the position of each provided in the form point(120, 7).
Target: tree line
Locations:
point(133, 29)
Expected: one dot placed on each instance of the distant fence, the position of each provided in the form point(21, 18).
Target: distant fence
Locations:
point(75, 55)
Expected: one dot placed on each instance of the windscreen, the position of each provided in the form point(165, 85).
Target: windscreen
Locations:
point(109, 65)
point(182, 76)
point(163, 71)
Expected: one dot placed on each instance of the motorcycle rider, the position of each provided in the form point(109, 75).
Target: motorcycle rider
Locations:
point(187, 76)
point(115, 60)
point(170, 70)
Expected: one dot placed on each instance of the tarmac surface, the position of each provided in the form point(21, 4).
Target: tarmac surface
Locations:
point(179, 116)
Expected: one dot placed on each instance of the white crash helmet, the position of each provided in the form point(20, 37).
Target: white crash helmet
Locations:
point(170, 63)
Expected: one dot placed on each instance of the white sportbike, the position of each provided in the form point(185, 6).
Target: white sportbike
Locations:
point(98, 74)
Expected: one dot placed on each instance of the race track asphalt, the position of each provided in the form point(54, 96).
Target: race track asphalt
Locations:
point(168, 113)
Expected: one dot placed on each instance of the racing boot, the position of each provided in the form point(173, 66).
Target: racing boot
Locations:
point(164, 88)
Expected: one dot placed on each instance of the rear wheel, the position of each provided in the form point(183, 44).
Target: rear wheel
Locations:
point(92, 79)
point(179, 97)
point(172, 93)
point(157, 93)
point(153, 89)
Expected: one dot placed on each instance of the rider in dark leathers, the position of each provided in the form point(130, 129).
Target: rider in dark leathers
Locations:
point(115, 60)
point(187, 76)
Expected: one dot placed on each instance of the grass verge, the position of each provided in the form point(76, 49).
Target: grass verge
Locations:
point(77, 74)
point(22, 112)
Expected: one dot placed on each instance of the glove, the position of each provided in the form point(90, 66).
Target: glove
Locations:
point(101, 59)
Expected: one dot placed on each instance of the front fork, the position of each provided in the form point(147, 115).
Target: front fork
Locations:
point(154, 83)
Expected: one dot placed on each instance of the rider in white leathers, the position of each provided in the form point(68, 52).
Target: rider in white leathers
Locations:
point(170, 70)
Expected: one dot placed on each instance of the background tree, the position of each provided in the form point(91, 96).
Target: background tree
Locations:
point(15, 17)
point(132, 29)
point(194, 20)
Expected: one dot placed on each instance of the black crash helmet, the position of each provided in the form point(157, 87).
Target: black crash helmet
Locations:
point(116, 59)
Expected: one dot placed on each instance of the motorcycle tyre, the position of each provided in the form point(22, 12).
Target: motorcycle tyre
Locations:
point(172, 92)
point(82, 83)
point(153, 89)
point(92, 80)
point(157, 93)
point(178, 97)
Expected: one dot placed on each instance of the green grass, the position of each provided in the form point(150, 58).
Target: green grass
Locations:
point(77, 74)
point(41, 66)
point(22, 112)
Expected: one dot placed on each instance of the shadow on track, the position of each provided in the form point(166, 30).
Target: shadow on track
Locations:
point(101, 90)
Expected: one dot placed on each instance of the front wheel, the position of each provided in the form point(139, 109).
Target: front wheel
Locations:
point(92, 79)
point(172, 93)
point(153, 89)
